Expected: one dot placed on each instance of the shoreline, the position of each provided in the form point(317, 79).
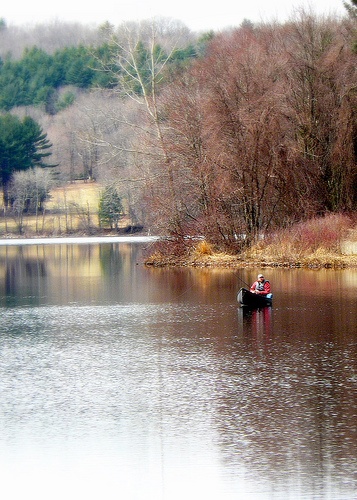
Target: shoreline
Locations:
point(68, 240)
point(225, 261)
point(194, 260)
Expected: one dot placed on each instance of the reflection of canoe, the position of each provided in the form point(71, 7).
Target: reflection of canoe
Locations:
point(247, 298)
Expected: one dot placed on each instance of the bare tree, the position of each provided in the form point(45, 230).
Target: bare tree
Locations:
point(29, 190)
point(321, 107)
point(260, 133)
point(138, 68)
point(245, 124)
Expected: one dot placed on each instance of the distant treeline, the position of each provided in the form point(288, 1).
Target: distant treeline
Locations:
point(35, 79)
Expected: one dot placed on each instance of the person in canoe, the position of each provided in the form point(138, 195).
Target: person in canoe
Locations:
point(261, 287)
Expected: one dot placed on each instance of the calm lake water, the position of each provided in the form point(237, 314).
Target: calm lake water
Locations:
point(124, 382)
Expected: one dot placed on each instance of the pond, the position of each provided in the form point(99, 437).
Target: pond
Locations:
point(122, 381)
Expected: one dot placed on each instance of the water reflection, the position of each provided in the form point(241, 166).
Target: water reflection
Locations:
point(66, 273)
point(297, 406)
point(122, 381)
point(256, 322)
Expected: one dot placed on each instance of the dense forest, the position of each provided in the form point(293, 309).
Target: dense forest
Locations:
point(219, 134)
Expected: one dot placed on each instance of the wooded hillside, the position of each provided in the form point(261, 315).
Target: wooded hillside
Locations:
point(230, 134)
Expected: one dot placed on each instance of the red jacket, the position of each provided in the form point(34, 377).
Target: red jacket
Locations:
point(255, 287)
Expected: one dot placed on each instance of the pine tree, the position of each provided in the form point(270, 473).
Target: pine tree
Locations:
point(110, 208)
point(351, 8)
point(23, 145)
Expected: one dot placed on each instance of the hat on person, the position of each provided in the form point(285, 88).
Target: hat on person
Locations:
point(260, 276)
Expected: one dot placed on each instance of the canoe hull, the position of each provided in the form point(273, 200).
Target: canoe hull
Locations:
point(249, 299)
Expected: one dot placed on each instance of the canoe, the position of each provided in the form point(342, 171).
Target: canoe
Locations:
point(249, 299)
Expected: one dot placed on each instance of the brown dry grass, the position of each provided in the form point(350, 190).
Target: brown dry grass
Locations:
point(203, 248)
point(315, 243)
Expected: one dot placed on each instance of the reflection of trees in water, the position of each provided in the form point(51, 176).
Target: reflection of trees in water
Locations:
point(112, 258)
point(184, 284)
point(66, 272)
point(23, 277)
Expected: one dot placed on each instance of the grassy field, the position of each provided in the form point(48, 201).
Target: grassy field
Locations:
point(84, 194)
point(71, 208)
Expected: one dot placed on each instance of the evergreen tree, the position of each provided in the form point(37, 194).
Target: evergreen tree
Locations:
point(23, 145)
point(351, 8)
point(110, 208)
